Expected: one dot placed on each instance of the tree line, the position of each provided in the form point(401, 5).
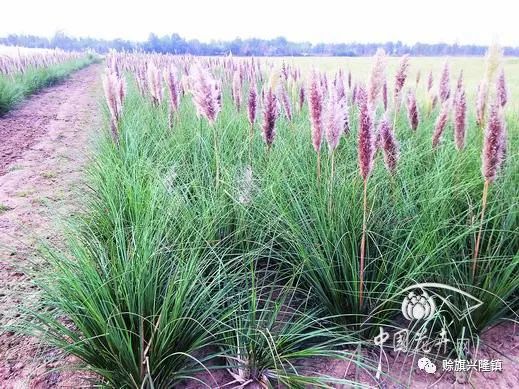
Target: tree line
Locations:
point(280, 46)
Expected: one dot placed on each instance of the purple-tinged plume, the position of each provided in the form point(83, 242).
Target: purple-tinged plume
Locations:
point(444, 88)
point(301, 97)
point(430, 81)
point(285, 101)
point(339, 85)
point(173, 87)
point(389, 145)
point(354, 94)
point(460, 118)
point(334, 119)
point(315, 104)
point(377, 78)
point(236, 89)
point(252, 103)
point(115, 92)
point(154, 84)
point(502, 92)
point(173, 90)
point(481, 102)
point(284, 71)
point(459, 84)
point(441, 123)
point(384, 95)
point(346, 123)
point(413, 114)
point(206, 94)
point(400, 78)
point(270, 114)
point(324, 82)
point(494, 143)
point(366, 135)
point(434, 101)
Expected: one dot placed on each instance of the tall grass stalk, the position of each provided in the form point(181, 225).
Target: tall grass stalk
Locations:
point(492, 158)
point(366, 154)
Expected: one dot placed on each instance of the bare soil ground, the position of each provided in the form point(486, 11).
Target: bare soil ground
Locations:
point(401, 370)
point(43, 146)
point(498, 343)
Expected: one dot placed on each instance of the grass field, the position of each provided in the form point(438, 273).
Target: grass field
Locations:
point(205, 248)
point(17, 84)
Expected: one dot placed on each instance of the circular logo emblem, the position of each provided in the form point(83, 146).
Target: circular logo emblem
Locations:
point(418, 306)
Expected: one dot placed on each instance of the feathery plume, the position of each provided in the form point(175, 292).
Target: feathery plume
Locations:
point(493, 150)
point(173, 90)
point(444, 87)
point(377, 77)
point(217, 91)
point(245, 186)
point(111, 93)
point(324, 82)
point(334, 119)
point(339, 85)
point(315, 104)
point(366, 154)
point(346, 118)
point(270, 113)
point(284, 71)
point(206, 94)
point(493, 60)
point(252, 103)
point(430, 81)
point(154, 84)
point(236, 89)
point(285, 101)
point(441, 123)
point(492, 157)
point(366, 135)
point(434, 101)
point(389, 145)
point(354, 94)
point(301, 97)
point(502, 93)
point(418, 76)
point(400, 78)
point(121, 87)
point(460, 120)
point(412, 111)
point(115, 91)
point(481, 102)
point(384, 95)
point(459, 83)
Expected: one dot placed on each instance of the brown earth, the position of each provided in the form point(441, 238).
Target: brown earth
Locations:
point(401, 370)
point(43, 149)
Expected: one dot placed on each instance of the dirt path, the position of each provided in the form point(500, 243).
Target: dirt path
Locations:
point(43, 147)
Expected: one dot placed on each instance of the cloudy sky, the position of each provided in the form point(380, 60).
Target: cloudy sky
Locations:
point(461, 21)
